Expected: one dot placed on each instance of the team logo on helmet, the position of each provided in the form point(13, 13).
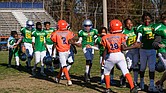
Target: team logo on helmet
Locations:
point(115, 26)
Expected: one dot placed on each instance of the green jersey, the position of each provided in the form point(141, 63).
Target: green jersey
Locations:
point(147, 36)
point(88, 38)
point(101, 47)
point(131, 36)
point(39, 40)
point(160, 29)
point(27, 34)
point(48, 40)
point(17, 50)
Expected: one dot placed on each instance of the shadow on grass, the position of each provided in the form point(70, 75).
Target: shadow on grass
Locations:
point(94, 83)
point(29, 71)
point(77, 80)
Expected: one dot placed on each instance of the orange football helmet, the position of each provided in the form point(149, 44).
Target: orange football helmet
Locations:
point(62, 25)
point(115, 26)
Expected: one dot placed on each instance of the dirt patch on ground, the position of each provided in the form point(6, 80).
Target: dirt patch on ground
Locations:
point(25, 83)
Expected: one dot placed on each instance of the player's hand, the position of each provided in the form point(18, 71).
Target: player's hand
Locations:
point(161, 45)
point(137, 45)
point(102, 63)
point(15, 46)
point(88, 46)
point(33, 48)
point(78, 44)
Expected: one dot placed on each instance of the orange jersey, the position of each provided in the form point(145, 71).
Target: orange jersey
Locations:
point(113, 42)
point(61, 39)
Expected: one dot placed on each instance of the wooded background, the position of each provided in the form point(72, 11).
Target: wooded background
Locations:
point(75, 11)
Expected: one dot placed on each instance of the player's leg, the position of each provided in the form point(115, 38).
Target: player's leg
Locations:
point(37, 60)
point(10, 56)
point(70, 62)
point(112, 77)
point(42, 55)
point(123, 67)
point(107, 69)
point(63, 57)
point(58, 77)
point(143, 64)
point(16, 55)
point(125, 71)
point(151, 65)
point(129, 57)
point(135, 65)
point(29, 52)
point(88, 53)
point(102, 71)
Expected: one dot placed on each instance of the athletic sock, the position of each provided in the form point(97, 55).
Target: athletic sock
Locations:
point(65, 71)
point(130, 81)
point(107, 81)
point(59, 74)
point(17, 61)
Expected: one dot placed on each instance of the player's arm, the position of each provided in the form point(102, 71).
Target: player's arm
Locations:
point(78, 43)
point(33, 42)
point(72, 41)
point(156, 43)
point(105, 50)
point(19, 40)
point(104, 56)
point(21, 37)
point(45, 44)
point(135, 45)
point(139, 37)
point(53, 47)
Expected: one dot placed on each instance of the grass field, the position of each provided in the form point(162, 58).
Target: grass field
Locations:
point(21, 81)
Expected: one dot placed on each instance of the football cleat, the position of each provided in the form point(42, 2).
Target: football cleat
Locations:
point(152, 89)
point(69, 83)
point(87, 79)
point(33, 72)
point(134, 90)
point(142, 85)
point(107, 91)
point(43, 74)
point(57, 80)
point(63, 77)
